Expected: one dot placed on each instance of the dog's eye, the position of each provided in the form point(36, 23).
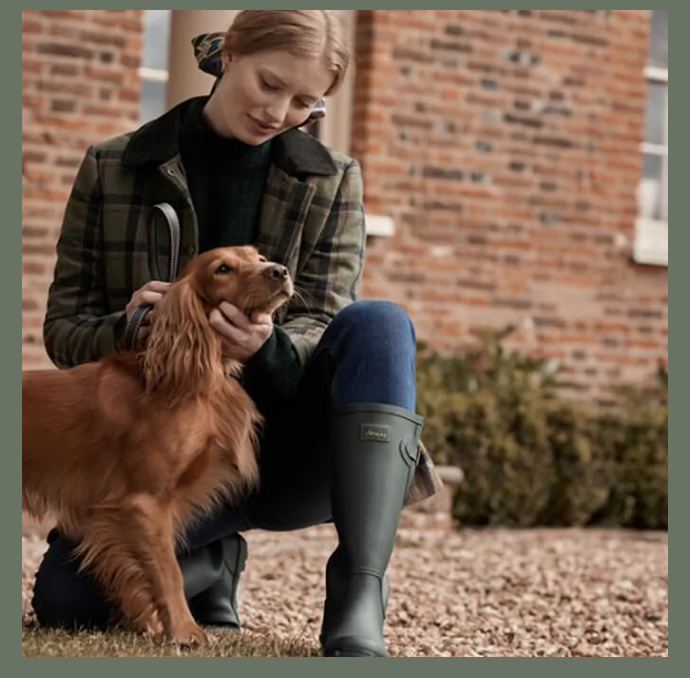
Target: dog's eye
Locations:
point(263, 260)
point(224, 269)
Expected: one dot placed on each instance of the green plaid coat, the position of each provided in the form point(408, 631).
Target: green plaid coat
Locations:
point(312, 220)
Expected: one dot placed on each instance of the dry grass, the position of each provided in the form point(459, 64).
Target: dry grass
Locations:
point(58, 644)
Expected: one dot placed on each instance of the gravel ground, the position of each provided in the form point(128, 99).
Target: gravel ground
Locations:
point(479, 594)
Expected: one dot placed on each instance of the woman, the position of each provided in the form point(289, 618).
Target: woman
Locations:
point(335, 378)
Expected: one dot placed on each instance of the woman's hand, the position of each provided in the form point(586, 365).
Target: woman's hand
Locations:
point(150, 294)
point(242, 336)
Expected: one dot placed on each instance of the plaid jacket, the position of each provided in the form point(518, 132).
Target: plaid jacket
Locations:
point(312, 221)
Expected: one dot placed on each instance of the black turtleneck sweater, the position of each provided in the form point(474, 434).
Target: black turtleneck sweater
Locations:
point(226, 179)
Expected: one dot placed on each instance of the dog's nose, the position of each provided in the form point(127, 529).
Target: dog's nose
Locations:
point(277, 272)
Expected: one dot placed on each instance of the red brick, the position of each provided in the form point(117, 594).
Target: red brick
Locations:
point(32, 25)
point(62, 14)
point(29, 305)
point(32, 102)
point(34, 268)
point(34, 232)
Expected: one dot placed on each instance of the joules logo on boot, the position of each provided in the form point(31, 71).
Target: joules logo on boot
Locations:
point(375, 433)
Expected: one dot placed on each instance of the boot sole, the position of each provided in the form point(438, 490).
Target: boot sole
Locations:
point(351, 648)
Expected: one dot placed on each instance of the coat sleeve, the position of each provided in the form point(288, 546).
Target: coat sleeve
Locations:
point(329, 281)
point(77, 327)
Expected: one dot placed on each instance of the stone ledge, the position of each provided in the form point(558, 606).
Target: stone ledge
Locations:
point(441, 504)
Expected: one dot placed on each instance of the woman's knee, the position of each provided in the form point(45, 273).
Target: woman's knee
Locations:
point(374, 348)
point(377, 318)
point(63, 597)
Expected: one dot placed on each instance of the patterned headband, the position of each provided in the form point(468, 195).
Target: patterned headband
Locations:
point(208, 49)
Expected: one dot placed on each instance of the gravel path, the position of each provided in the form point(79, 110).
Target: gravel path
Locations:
point(483, 594)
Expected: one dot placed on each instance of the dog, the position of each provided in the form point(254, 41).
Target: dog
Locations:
point(125, 452)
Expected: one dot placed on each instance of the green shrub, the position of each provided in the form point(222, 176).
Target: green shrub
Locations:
point(531, 458)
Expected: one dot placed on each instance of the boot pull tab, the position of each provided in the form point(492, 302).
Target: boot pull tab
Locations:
point(409, 449)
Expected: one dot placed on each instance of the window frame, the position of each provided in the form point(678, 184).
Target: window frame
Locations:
point(335, 130)
point(651, 235)
point(151, 75)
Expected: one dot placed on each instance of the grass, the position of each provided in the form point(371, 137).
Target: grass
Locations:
point(41, 643)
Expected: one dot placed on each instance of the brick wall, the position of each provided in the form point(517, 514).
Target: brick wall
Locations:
point(506, 145)
point(79, 86)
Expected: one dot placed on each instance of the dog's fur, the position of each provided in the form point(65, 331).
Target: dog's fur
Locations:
point(125, 452)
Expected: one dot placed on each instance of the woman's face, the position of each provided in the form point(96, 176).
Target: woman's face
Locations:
point(261, 95)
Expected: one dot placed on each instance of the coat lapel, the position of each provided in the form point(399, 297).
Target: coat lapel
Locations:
point(288, 195)
point(284, 209)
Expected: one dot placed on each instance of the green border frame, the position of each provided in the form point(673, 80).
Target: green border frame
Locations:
point(211, 668)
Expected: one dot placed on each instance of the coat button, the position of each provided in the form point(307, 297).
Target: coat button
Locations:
point(191, 250)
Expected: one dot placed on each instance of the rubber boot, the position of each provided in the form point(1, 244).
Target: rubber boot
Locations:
point(211, 577)
point(375, 452)
point(335, 581)
point(65, 598)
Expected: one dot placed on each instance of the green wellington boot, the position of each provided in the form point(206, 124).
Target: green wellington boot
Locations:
point(211, 577)
point(374, 460)
point(335, 593)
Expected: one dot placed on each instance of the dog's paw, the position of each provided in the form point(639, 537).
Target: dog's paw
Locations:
point(191, 635)
point(149, 627)
point(143, 621)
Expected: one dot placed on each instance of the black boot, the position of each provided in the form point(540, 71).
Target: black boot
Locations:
point(211, 576)
point(65, 598)
point(374, 461)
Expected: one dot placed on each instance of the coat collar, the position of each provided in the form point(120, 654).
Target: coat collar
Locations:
point(295, 152)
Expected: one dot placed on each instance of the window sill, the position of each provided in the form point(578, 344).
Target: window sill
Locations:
point(380, 225)
point(651, 243)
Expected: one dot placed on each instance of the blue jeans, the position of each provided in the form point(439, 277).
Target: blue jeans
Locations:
point(366, 355)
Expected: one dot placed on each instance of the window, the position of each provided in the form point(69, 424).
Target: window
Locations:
point(651, 246)
point(154, 67)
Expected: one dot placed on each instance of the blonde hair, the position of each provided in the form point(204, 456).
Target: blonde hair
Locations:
point(302, 32)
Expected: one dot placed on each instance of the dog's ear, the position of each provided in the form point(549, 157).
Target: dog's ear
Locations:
point(183, 352)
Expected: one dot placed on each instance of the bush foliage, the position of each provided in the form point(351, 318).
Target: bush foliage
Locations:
point(532, 458)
